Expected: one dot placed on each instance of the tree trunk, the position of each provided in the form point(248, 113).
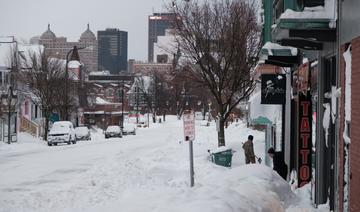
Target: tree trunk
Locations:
point(154, 117)
point(46, 127)
point(221, 133)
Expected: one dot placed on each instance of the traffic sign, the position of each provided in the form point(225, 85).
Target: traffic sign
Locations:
point(189, 126)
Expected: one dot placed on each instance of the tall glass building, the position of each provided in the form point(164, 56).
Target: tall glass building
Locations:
point(112, 50)
point(158, 23)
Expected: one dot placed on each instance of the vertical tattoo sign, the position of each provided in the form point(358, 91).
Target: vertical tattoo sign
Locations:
point(305, 139)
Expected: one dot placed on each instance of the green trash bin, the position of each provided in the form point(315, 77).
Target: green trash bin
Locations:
point(222, 158)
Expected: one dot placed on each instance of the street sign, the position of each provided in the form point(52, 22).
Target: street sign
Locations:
point(189, 126)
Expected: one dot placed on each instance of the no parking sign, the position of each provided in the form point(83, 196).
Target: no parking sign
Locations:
point(189, 126)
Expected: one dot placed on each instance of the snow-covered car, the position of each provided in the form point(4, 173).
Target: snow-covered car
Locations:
point(205, 123)
point(82, 133)
point(142, 122)
point(113, 131)
point(129, 129)
point(61, 132)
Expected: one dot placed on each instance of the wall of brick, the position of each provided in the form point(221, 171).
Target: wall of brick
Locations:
point(355, 126)
point(341, 140)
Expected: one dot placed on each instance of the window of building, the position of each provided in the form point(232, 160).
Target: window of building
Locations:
point(26, 108)
point(109, 92)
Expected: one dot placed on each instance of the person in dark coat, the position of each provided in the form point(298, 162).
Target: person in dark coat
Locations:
point(279, 164)
point(248, 147)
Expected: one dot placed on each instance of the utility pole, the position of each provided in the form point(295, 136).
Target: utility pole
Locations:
point(9, 114)
point(122, 105)
point(137, 104)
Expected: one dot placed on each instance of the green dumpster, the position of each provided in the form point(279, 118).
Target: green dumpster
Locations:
point(222, 158)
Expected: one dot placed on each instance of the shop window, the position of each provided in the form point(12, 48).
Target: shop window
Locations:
point(109, 92)
point(26, 108)
point(36, 111)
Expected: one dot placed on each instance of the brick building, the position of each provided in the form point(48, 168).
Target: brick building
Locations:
point(349, 174)
point(332, 47)
point(104, 101)
point(151, 68)
point(59, 47)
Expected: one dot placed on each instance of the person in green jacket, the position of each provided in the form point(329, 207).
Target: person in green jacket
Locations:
point(248, 147)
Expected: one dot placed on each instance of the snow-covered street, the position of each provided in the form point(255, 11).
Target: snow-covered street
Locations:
point(146, 172)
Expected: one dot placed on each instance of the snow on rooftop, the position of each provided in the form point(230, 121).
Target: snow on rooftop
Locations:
point(102, 101)
point(100, 73)
point(5, 49)
point(274, 46)
point(328, 11)
point(74, 64)
point(100, 86)
point(23, 48)
point(7, 39)
point(24, 51)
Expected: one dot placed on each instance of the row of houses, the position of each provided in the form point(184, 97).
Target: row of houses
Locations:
point(102, 99)
point(314, 47)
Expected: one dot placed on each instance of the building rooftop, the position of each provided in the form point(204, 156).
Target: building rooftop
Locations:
point(88, 34)
point(48, 34)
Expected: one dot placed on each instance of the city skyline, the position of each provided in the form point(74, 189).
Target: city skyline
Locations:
point(124, 15)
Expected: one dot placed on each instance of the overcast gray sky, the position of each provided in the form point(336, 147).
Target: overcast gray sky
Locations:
point(27, 18)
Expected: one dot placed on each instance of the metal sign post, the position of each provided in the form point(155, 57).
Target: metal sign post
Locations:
point(189, 134)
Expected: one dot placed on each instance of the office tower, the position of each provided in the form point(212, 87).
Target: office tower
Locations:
point(158, 23)
point(112, 50)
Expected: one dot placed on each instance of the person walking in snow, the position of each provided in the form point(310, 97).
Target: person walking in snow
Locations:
point(279, 164)
point(248, 147)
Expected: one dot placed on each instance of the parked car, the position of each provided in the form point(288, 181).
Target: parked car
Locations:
point(129, 129)
point(82, 133)
point(113, 131)
point(61, 132)
point(205, 123)
point(140, 122)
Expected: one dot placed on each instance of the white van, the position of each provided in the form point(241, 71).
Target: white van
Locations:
point(61, 132)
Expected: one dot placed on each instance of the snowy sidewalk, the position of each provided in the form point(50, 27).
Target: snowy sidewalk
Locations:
point(146, 172)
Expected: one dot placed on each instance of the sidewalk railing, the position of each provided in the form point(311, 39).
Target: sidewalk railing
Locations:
point(29, 126)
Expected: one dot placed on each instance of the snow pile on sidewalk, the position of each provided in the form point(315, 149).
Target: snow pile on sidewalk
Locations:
point(246, 188)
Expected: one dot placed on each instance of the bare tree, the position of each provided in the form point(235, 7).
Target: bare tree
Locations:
point(219, 40)
point(145, 86)
point(44, 78)
point(67, 101)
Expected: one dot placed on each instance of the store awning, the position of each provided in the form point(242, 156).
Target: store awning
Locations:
point(315, 24)
point(261, 120)
point(279, 55)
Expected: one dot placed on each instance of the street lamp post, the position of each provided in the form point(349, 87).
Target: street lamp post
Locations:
point(122, 106)
point(209, 116)
point(9, 101)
